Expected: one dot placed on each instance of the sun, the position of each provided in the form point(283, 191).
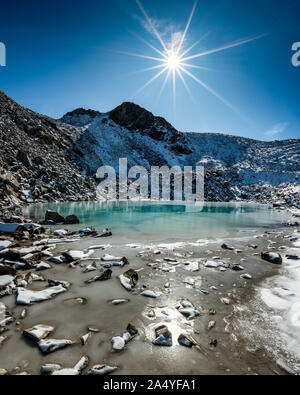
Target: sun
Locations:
point(173, 61)
point(174, 58)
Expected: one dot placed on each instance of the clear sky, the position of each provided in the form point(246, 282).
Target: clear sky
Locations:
point(64, 54)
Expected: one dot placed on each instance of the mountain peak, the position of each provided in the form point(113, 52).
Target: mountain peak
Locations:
point(80, 117)
point(132, 116)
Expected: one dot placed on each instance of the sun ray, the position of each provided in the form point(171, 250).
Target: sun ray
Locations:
point(138, 55)
point(194, 45)
point(193, 66)
point(150, 45)
point(232, 45)
point(213, 92)
point(174, 92)
point(174, 59)
point(151, 25)
point(164, 84)
point(152, 79)
point(159, 66)
point(187, 27)
point(185, 84)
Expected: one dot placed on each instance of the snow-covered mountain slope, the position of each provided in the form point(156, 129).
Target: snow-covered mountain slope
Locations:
point(237, 168)
point(42, 159)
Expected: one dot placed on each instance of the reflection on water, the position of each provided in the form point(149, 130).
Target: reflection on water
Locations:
point(161, 221)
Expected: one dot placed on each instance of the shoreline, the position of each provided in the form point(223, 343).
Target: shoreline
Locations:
point(209, 287)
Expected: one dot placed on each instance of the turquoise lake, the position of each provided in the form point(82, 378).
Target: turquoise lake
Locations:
point(149, 221)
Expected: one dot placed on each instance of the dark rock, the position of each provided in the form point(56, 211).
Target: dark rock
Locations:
point(132, 330)
point(24, 158)
point(292, 257)
point(106, 275)
point(7, 270)
point(214, 343)
point(272, 257)
point(71, 220)
point(163, 336)
point(54, 216)
point(237, 268)
point(227, 247)
point(186, 341)
point(106, 233)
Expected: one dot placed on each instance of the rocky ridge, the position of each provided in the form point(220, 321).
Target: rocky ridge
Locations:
point(42, 159)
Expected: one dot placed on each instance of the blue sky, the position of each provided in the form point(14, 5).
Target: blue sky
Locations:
point(63, 55)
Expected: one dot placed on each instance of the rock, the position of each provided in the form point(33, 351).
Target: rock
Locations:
point(119, 342)
point(3, 372)
point(237, 268)
point(111, 258)
point(23, 314)
point(192, 266)
point(24, 158)
point(225, 301)
point(213, 264)
point(90, 268)
point(85, 338)
point(58, 259)
point(227, 247)
point(38, 332)
point(254, 246)
point(105, 233)
point(58, 283)
point(9, 178)
point(129, 279)
point(211, 325)
point(73, 256)
point(149, 294)
point(163, 337)
point(7, 270)
point(8, 228)
point(246, 276)
point(71, 220)
point(189, 312)
point(60, 232)
point(290, 257)
point(102, 370)
point(186, 341)
point(99, 247)
point(42, 266)
point(272, 257)
point(117, 302)
point(50, 345)
point(212, 312)
point(28, 297)
point(106, 275)
point(50, 368)
point(213, 343)
point(171, 260)
point(57, 370)
point(5, 244)
point(54, 216)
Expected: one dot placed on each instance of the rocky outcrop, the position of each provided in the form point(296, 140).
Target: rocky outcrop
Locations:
point(35, 160)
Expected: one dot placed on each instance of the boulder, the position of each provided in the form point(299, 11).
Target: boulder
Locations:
point(163, 337)
point(272, 257)
point(129, 279)
point(71, 220)
point(38, 332)
point(24, 158)
point(54, 216)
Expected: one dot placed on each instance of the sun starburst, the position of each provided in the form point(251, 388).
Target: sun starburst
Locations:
point(174, 57)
